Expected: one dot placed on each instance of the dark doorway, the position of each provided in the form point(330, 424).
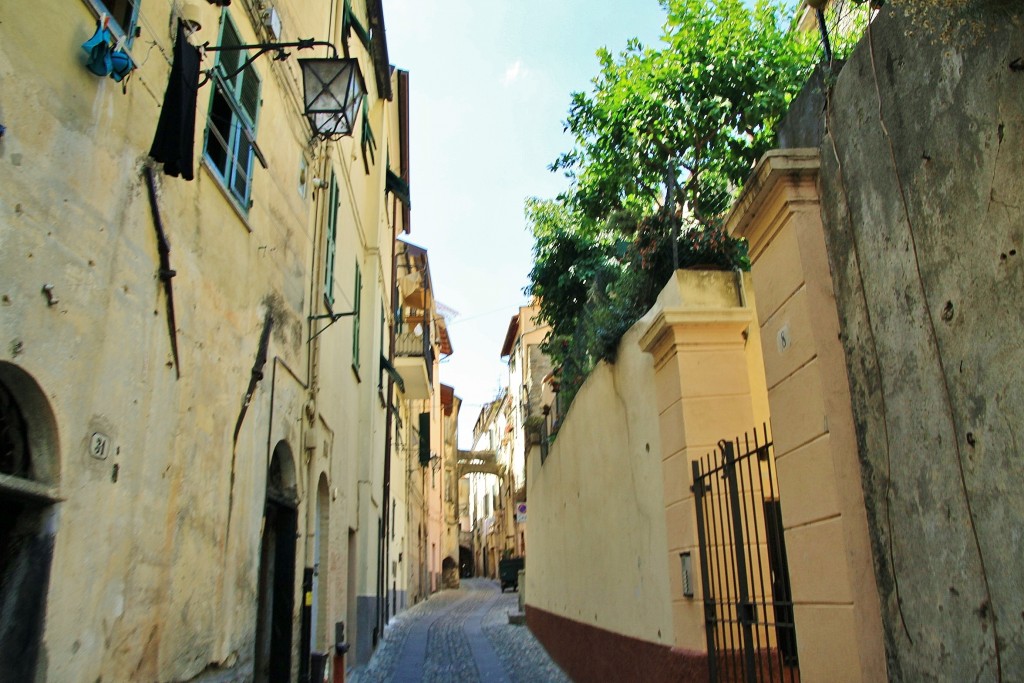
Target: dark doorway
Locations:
point(277, 573)
point(28, 457)
point(465, 562)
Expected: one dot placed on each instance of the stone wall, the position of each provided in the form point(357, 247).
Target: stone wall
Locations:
point(921, 197)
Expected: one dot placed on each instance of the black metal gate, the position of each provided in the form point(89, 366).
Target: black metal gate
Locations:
point(748, 606)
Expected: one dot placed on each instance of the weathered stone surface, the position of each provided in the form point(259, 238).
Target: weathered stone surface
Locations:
point(924, 221)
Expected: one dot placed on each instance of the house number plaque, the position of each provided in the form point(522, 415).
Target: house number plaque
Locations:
point(99, 445)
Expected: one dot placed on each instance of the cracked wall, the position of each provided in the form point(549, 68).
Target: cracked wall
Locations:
point(922, 201)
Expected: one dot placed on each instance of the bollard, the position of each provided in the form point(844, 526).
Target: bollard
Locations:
point(340, 648)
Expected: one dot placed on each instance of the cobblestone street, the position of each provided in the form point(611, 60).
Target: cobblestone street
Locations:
point(460, 635)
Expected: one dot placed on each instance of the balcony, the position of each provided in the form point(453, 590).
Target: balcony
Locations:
point(414, 361)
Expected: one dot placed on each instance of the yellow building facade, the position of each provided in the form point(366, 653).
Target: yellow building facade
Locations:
point(192, 480)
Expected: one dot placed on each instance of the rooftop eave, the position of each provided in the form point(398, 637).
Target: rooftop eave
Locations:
point(510, 336)
point(381, 63)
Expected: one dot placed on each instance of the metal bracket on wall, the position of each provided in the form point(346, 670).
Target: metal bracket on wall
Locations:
point(333, 317)
point(256, 375)
point(165, 271)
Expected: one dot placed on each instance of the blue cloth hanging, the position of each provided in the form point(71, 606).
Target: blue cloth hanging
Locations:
point(98, 49)
point(105, 56)
point(120, 65)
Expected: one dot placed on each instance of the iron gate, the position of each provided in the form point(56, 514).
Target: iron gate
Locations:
point(748, 606)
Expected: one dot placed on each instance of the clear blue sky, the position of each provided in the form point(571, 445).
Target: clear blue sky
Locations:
point(490, 84)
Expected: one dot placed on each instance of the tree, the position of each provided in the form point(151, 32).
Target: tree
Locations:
point(661, 146)
point(678, 128)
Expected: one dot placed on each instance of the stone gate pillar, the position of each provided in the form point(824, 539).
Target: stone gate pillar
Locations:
point(838, 622)
point(699, 335)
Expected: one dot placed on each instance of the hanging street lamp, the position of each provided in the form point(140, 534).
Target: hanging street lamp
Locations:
point(333, 87)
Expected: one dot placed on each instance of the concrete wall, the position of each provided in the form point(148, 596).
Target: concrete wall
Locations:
point(700, 335)
point(611, 505)
point(925, 230)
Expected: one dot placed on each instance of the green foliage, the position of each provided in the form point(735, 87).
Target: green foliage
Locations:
point(662, 144)
point(680, 126)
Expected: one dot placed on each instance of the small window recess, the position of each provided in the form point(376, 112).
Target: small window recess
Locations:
point(124, 17)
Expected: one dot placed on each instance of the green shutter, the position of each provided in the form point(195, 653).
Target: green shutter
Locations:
point(230, 60)
point(368, 142)
point(249, 93)
point(357, 307)
point(398, 187)
point(332, 230)
point(349, 22)
point(424, 439)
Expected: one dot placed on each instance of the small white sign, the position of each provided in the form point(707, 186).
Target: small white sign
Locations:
point(99, 445)
point(784, 340)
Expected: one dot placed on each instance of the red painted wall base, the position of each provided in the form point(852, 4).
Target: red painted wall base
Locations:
point(587, 653)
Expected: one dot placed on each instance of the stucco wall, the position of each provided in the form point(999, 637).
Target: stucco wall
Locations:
point(925, 229)
point(597, 512)
point(147, 581)
point(827, 542)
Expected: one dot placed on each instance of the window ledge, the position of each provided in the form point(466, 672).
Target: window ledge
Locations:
point(210, 171)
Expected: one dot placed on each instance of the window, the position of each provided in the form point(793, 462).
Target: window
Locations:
point(332, 237)
point(231, 131)
point(124, 14)
point(358, 295)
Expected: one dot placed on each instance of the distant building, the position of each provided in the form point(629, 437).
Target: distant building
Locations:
point(508, 431)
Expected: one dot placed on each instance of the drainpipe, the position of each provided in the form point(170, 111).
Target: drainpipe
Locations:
point(386, 493)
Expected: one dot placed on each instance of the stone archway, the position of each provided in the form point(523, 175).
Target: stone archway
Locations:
point(29, 466)
point(276, 599)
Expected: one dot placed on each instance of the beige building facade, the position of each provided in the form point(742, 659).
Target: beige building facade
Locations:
point(192, 371)
point(422, 536)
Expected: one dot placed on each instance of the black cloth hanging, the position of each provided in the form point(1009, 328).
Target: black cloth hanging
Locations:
point(175, 131)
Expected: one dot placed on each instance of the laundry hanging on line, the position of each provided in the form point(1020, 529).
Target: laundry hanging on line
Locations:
point(175, 131)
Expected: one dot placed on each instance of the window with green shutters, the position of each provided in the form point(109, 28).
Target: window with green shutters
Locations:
point(231, 129)
point(357, 307)
point(332, 236)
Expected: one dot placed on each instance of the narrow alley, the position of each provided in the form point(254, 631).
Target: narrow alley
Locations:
point(460, 635)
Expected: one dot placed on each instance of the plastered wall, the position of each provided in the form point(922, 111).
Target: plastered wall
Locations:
point(597, 520)
point(149, 579)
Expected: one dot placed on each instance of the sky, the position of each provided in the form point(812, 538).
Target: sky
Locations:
point(490, 84)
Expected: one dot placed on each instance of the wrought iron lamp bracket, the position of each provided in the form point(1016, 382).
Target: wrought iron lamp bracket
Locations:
point(264, 48)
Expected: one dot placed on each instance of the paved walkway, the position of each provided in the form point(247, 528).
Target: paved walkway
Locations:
point(460, 636)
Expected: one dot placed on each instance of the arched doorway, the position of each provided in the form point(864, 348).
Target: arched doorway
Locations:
point(28, 477)
point(319, 573)
point(273, 661)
